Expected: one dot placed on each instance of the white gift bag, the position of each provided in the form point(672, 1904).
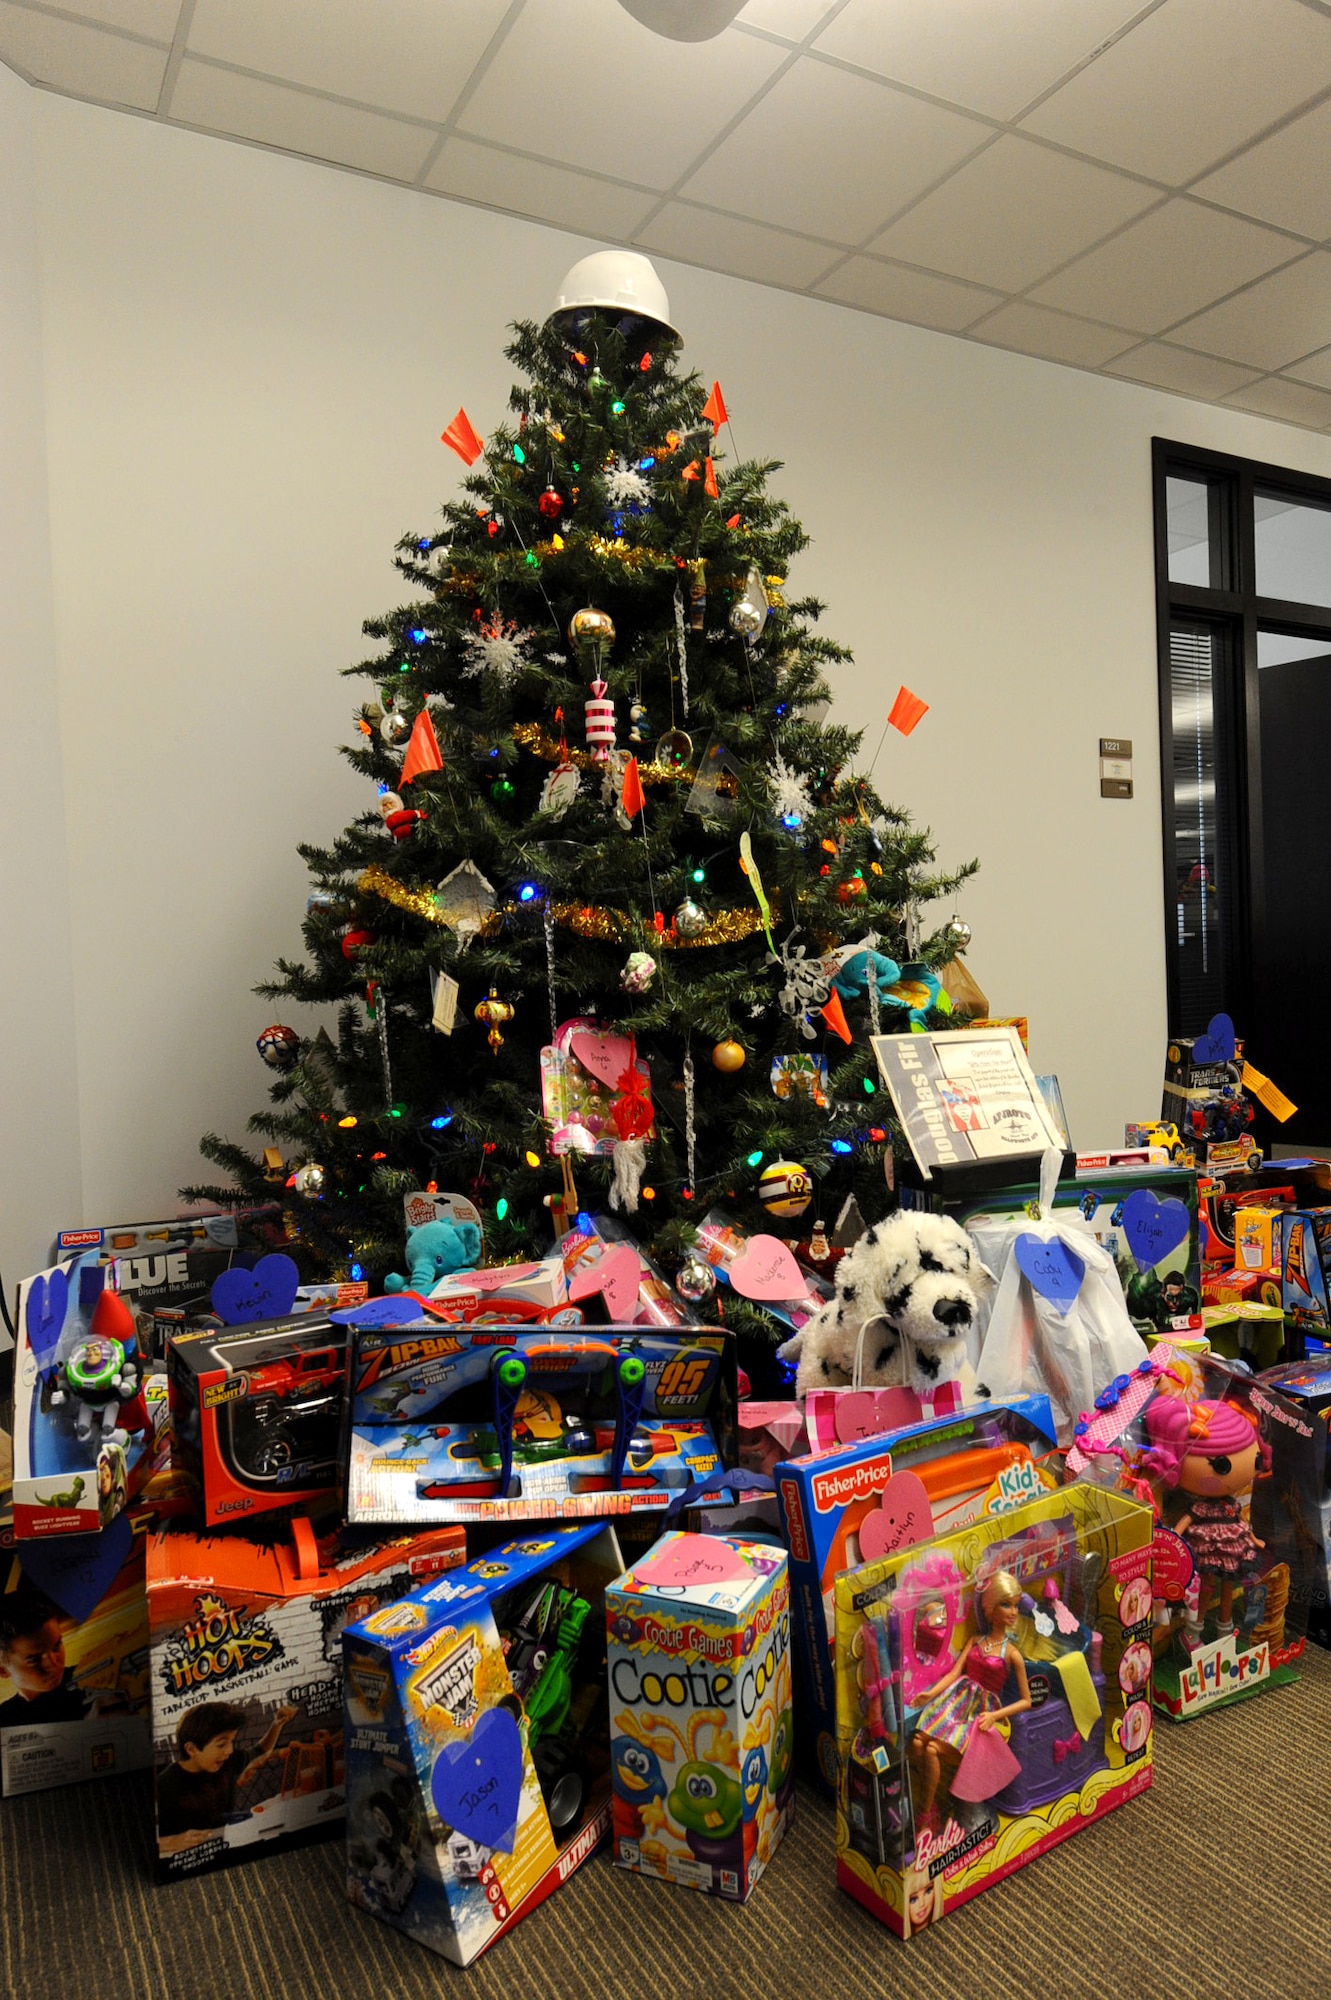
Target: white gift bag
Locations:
point(1058, 1324)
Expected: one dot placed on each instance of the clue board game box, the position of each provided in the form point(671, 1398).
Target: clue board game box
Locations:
point(245, 1677)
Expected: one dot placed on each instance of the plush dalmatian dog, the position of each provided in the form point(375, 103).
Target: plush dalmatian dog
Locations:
point(914, 1283)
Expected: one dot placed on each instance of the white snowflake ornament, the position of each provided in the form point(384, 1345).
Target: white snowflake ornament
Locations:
point(625, 486)
point(497, 649)
point(791, 800)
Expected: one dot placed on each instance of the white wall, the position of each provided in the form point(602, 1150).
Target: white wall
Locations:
point(39, 1130)
point(249, 360)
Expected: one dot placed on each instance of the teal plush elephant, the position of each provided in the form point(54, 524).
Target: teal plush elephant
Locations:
point(434, 1251)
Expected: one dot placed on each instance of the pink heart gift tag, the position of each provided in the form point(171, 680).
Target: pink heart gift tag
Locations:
point(902, 1518)
point(865, 1413)
point(765, 1269)
point(616, 1276)
point(605, 1056)
point(700, 1561)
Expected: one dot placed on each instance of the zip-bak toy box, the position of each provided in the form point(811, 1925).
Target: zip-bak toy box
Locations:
point(1234, 1471)
point(257, 1413)
point(478, 1756)
point(986, 1459)
point(512, 1423)
point(702, 1728)
point(84, 1408)
point(931, 1808)
point(246, 1680)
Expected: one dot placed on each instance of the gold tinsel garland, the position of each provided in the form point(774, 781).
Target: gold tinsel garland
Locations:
point(534, 737)
point(591, 920)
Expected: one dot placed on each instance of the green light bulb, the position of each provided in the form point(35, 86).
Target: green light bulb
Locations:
point(869, 1086)
point(519, 454)
point(617, 409)
point(700, 874)
point(501, 1209)
point(754, 1159)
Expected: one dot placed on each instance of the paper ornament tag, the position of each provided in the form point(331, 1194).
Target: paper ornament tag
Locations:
point(902, 1518)
point(765, 1269)
point(559, 790)
point(464, 900)
point(698, 1562)
point(476, 1785)
point(1154, 1228)
point(444, 989)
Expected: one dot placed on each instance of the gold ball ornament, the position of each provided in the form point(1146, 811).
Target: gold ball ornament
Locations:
point(590, 627)
point(785, 1188)
point(728, 1057)
point(494, 1013)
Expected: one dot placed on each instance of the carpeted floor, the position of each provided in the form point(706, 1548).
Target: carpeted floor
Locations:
point(1214, 1886)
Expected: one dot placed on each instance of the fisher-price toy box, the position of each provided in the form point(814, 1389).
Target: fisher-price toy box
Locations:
point(932, 1809)
point(176, 1261)
point(888, 1491)
point(702, 1727)
point(246, 1682)
point(478, 1754)
point(514, 1423)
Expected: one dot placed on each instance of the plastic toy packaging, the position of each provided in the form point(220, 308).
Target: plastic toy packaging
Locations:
point(1058, 1325)
point(1230, 1468)
point(992, 1698)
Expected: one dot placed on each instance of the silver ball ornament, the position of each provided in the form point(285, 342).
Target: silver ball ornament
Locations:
point(958, 933)
point(311, 1180)
point(695, 1280)
point(689, 920)
point(746, 618)
point(395, 728)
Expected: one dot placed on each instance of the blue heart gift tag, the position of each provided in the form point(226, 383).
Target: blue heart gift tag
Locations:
point(1217, 1044)
point(1153, 1228)
point(1054, 1271)
point(476, 1785)
point(266, 1292)
point(44, 1316)
point(77, 1572)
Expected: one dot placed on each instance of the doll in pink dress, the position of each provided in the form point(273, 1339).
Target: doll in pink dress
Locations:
point(955, 1725)
point(1210, 1452)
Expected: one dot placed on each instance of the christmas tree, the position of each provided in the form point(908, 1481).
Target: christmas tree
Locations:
point(604, 792)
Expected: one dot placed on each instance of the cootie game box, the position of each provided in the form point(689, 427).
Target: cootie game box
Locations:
point(245, 1677)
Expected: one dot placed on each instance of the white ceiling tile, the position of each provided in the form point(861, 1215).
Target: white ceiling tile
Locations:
point(82, 60)
point(412, 56)
point(1171, 262)
point(1292, 401)
point(1014, 212)
point(1190, 83)
point(984, 53)
point(1166, 367)
point(792, 18)
point(902, 294)
point(583, 82)
point(533, 187)
point(1313, 368)
point(155, 18)
point(1284, 179)
point(726, 243)
point(221, 101)
point(833, 154)
point(1049, 335)
point(1273, 323)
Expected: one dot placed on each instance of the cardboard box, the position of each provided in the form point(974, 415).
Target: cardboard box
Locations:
point(246, 1680)
point(1305, 1267)
point(1247, 1330)
point(987, 1458)
point(596, 1421)
point(700, 1712)
point(1082, 1559)
point(475, 1726)
point(508, 1292)
point(257, 1413)
point(175, 1262)
point(1307, 1385)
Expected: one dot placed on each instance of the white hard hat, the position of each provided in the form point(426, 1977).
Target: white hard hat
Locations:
point(615, 281)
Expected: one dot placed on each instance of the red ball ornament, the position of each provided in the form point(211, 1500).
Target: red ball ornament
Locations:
point(551, 504)
point(354, 941)
point(853, 887)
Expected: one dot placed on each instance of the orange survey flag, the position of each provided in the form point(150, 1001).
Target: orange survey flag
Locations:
point(461, 438)
point(835, 1016)
point(422, 749)
point(631, 797)
point(709, 485)
point(906, 711)
point(714, 409)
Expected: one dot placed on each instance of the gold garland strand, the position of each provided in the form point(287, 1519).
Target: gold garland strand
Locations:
point(592, 920)
point(535, 737)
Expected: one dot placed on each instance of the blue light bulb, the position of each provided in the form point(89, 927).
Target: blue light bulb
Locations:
point(357, 1272)
point(438, 1124)
point(792, 820)
point(418, 637)
point(583, 1223)
point(842, 1146)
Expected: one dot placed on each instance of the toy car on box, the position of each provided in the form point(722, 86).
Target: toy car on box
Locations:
point(257, 1413)
point(453, 1423)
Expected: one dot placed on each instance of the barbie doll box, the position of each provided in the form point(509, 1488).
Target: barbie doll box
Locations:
point(700, 1711)
point(993, 1696)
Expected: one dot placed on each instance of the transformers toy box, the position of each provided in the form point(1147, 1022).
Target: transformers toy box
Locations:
point(257, 1413)
point(512, 1423)
point(889, 1491)
point(85, 1409)
point(73, 1656)
point(478, 1752)
point(993, 1696)
point(246, 1683)
point(1233, 1468)
point(702, 1736)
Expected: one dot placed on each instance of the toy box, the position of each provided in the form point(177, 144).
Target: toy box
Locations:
point(1252, 1331)
point(478, 1753)
point(257, 1413)
point(1038, 1618)
point(246, 1680)
point(1146, 1220)
point(1307, 1385)
point(177, 1261)
point(73, 1657)
point(700, 1712)
point(506, 1293)
point(889, 1491)
point(1231, 1469)
point(84, 1411)
point(512, 1423)
point(1305, 1264)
